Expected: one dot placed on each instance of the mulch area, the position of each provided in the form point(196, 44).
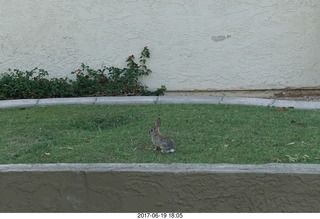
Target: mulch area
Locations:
point(309, 95)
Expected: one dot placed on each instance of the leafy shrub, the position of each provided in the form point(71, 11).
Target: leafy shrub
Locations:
point(16, 84)
point(108, 81)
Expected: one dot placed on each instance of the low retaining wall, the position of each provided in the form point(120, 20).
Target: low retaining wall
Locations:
point(159, 188)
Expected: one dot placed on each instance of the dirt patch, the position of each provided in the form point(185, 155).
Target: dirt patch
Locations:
point(298, 95)
point(310, 95)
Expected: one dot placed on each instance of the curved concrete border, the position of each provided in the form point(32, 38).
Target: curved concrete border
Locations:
point(161, 100)
point(159, 188)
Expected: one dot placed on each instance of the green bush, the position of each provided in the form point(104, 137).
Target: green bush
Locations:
point(16, 84)
point(108, 81)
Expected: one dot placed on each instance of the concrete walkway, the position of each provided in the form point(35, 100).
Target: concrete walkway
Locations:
point(161, 100)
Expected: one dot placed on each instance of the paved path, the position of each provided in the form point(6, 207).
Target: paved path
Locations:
point(161, 100)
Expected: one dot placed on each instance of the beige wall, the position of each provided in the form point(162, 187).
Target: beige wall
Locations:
point(159, 188)
point(195, 45)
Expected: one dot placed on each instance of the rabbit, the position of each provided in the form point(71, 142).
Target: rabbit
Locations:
point(166, 145)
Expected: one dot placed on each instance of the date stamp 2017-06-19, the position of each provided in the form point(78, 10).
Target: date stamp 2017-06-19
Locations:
point(160, 215)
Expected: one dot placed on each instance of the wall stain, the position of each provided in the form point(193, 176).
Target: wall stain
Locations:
point(220, 38)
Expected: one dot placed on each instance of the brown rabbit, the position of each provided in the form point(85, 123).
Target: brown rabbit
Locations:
point(166, 145)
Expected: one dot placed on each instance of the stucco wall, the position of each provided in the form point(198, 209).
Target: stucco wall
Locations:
point(202, 45)
point(159, 188)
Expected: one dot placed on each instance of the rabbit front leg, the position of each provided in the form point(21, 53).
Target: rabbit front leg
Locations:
point(157, 148)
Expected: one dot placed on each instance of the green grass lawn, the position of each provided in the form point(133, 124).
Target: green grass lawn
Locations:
point(203, 134)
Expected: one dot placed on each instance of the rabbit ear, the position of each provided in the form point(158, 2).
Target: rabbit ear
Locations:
point(157, 123)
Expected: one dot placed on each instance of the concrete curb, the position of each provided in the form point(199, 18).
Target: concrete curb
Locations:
point(189, 100)
point(160, 100)
point(272, 168)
